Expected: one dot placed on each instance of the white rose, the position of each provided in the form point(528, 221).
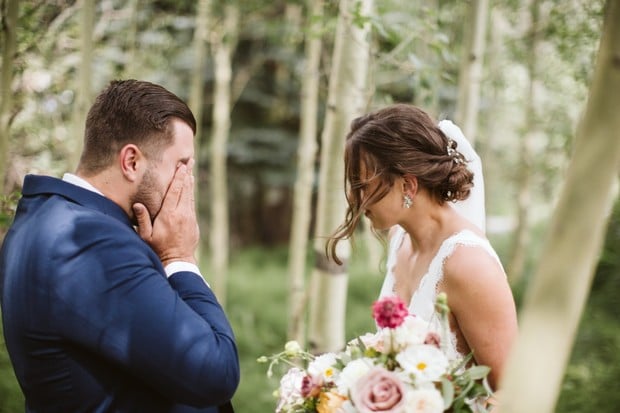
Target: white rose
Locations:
point(424, 401)
point(351, 373)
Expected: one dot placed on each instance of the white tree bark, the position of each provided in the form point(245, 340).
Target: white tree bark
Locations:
point(306, 153)
point(6, 106)
point(83, 90)
point(521, 235)
point(558, 292)
point(346, 100)
point(470, 74)
point(196, 93)
point(223, 45)
point(199, 47)
point(374, 248)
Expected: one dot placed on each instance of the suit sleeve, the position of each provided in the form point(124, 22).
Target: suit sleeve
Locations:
point(112, 297)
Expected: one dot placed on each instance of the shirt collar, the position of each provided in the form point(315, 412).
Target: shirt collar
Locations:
point(82, 183)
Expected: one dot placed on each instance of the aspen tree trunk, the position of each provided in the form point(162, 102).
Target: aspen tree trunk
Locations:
point(306, 153)
point(131, 67)
point(196, 93)
point(516, 265)
point(495, 77)
point(470, 74)
point(427, 96)
point(223, 45)
point(291, 37)
point(9, 29)
point(374, 248)
point(558, 292)
point(83, 90)
point(346, 100)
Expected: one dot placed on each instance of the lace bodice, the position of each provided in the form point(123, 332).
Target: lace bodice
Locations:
point(422, 302)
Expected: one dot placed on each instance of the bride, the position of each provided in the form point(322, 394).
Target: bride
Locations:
point(414, 177)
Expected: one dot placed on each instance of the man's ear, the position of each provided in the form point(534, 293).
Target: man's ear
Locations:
point(132, 162)
point(410, 185)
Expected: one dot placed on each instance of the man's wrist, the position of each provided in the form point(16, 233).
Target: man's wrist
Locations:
point(169, 260)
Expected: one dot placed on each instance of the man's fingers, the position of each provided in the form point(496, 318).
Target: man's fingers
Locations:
point(190, 173)
point(173, 195)
point(173, 233)
point(145, 227)
point(187, 196)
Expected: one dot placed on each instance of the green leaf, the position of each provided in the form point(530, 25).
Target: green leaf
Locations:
point(465, 391)
point(478, 372)
point(447, 391)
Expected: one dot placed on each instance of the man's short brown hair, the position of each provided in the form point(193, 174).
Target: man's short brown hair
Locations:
point(130, 111)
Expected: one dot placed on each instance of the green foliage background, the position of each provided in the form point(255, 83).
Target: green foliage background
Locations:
point(257, 309)
point(416, 55)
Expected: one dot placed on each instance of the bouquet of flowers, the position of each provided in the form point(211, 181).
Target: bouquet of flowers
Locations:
point(405, 367)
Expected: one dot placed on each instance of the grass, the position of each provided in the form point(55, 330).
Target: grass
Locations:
point(11, 399)
point(257, 308)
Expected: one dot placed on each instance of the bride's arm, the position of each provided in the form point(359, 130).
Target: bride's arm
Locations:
point(480, 299)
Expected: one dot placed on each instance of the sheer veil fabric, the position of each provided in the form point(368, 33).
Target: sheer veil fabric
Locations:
point(472, 208)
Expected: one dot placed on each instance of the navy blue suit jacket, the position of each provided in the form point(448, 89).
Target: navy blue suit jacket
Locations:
point(91, 322)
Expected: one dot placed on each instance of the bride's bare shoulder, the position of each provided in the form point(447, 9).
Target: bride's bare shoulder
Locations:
point(470, 266)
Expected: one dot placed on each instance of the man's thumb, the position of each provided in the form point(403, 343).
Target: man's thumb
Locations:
point(145, 227)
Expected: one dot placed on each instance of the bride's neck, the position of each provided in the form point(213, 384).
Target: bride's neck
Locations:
point(430, 227)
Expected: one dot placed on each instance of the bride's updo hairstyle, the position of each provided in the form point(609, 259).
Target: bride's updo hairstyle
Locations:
point(395, 141)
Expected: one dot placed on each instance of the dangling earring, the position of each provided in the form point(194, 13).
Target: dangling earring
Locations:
point(407, 201)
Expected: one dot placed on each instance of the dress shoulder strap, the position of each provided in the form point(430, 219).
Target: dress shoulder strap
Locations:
point(465, 237)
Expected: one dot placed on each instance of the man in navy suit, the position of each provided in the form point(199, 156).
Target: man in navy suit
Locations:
point(103, 305)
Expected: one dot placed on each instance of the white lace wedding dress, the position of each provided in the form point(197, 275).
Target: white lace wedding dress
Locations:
point(422, 302)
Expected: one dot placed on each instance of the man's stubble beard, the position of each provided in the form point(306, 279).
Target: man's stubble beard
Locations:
point(149, 193)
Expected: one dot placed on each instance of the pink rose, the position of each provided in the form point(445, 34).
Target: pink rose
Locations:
point(378, 391)
point(389, 312)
